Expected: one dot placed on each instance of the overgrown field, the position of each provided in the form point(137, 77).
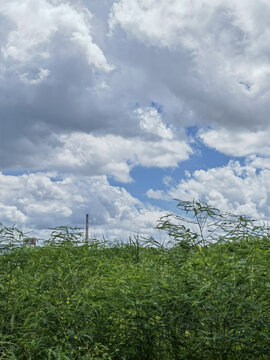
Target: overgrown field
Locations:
point(136, 301)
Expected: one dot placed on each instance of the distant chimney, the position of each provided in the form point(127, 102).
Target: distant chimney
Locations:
point(87, 227)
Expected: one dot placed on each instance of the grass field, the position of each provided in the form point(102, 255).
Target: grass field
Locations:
point(96, 300)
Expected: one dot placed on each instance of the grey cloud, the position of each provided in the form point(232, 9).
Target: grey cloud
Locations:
point(225, 51)
point(191, 75)
point(74, 97)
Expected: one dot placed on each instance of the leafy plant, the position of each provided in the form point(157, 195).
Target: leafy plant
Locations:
point(10, 237)
point(207, 224)
point(202, 297)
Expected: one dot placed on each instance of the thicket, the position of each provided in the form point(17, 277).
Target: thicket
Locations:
point(205, 295)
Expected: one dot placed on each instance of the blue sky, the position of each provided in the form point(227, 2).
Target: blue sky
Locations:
point(116, 107)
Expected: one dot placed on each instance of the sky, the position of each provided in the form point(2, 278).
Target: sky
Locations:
point(118, 107)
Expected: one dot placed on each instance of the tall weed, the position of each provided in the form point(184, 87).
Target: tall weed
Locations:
point(195, 299)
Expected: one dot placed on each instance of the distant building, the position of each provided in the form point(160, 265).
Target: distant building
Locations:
point(30, 241)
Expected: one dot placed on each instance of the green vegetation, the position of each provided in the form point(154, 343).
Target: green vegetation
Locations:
point(203, 296)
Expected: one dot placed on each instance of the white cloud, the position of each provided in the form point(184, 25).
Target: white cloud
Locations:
point(112, 155)
point(242, 189)
point(157, 194)
point(259, 162)
point(237, 143)
point(151, 122)
point(12, 214)
point(42, 200)
point(162, 22)
point(38, 21)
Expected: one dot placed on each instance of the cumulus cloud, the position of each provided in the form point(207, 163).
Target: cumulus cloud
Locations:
point(37, 21)
point(237, 143)
point(50, 93)
point(12, 214)
point(241, 189)
point(157, 194)
point(51, 71)
point(47, 200)
point(151, 122)
point(161, 22)
point(78, 102)
point(112, 155)
point(228, 76)
point(259, 162)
